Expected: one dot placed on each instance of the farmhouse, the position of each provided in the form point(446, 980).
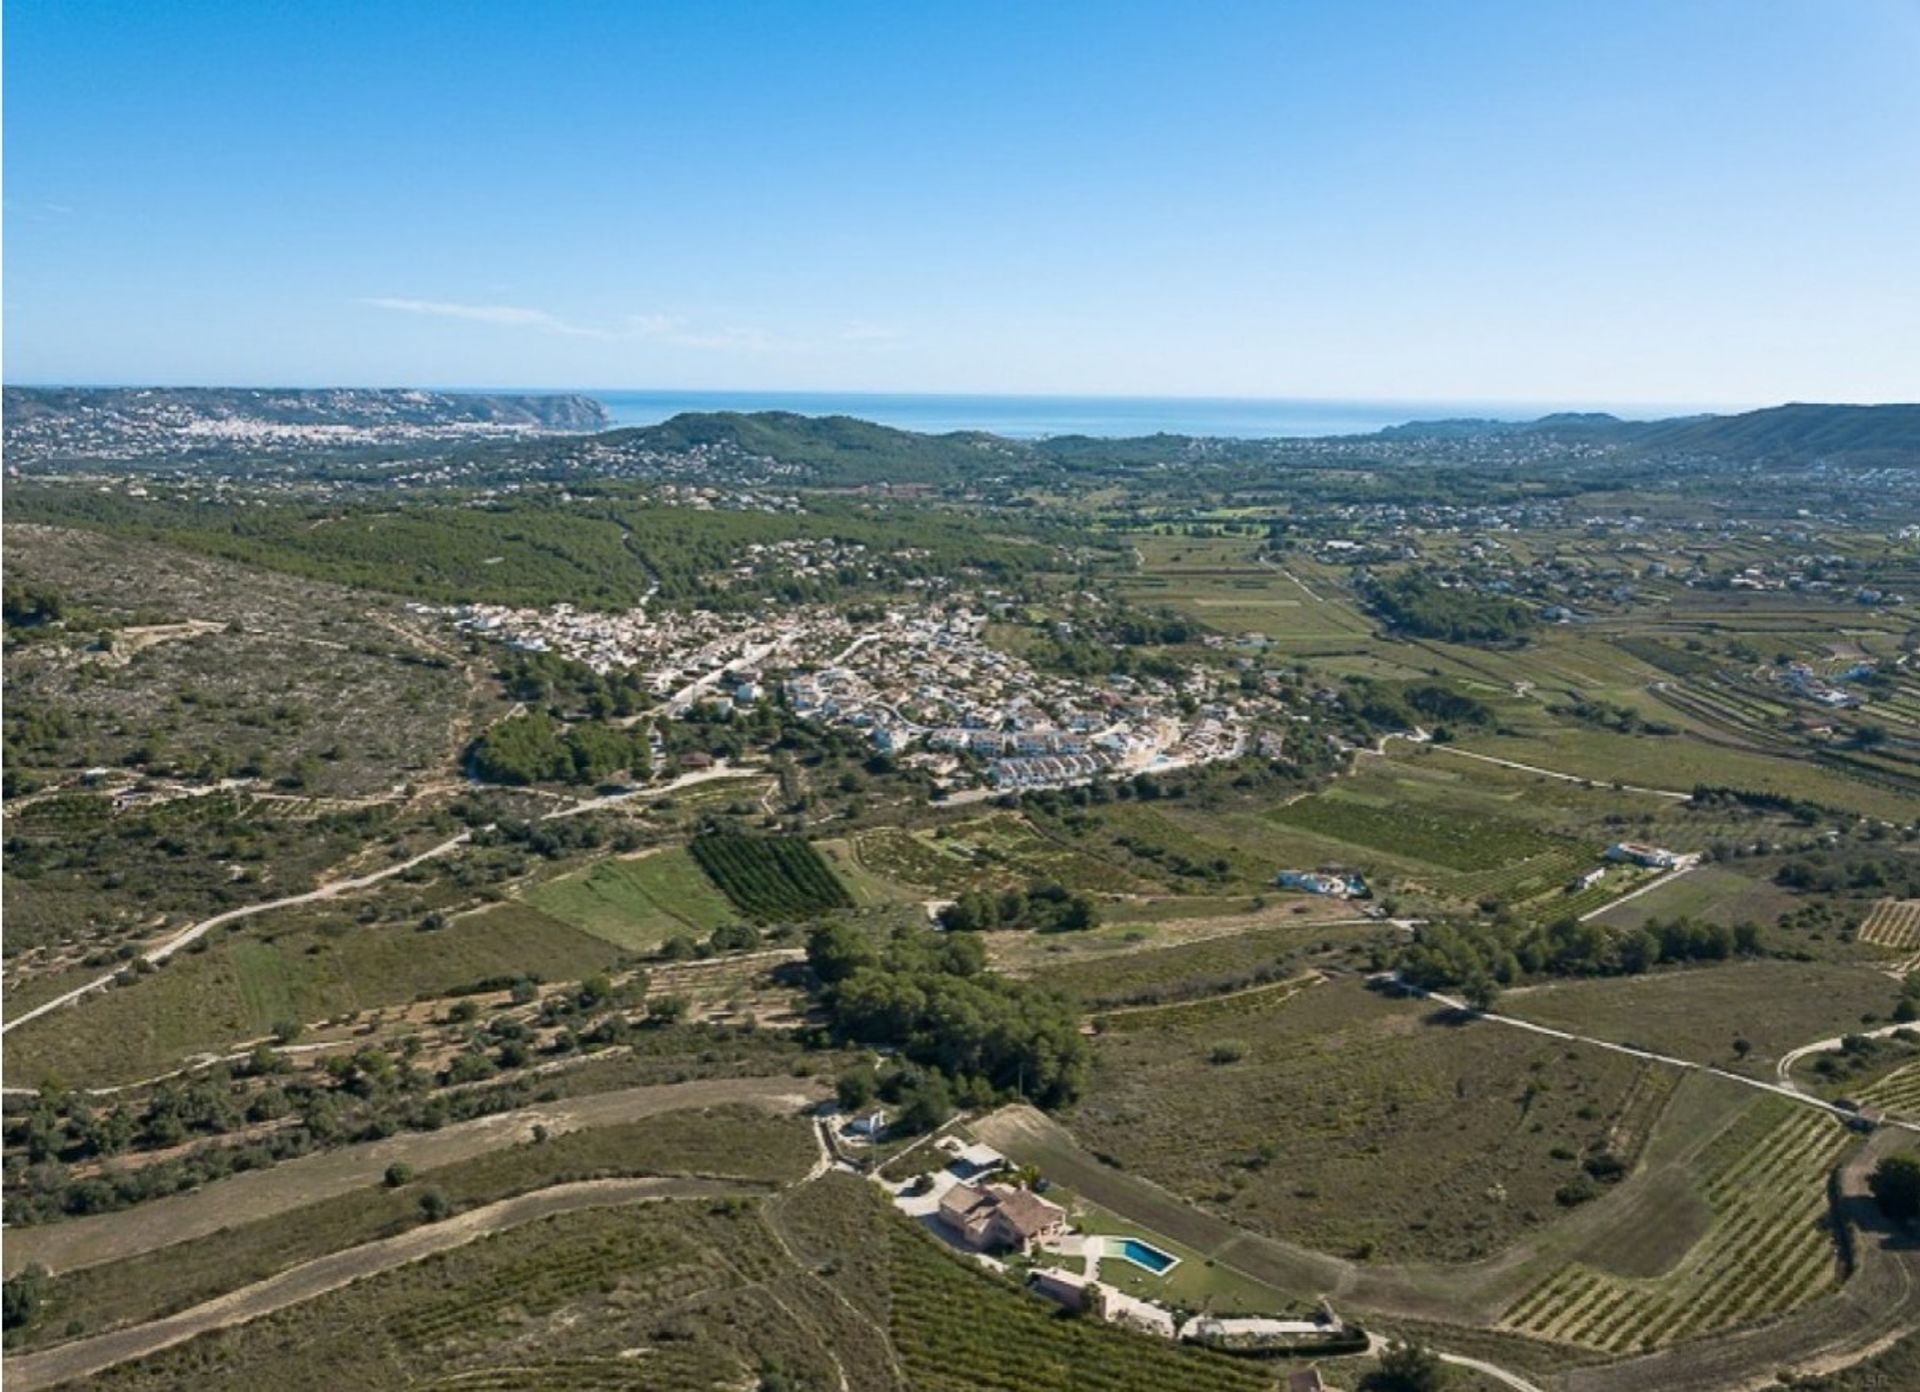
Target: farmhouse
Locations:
point(1586, 880)
point(990, 1216)
point(1637, 853)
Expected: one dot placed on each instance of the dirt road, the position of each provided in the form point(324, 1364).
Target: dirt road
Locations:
point(189, 935)
point(186, 936)
point(1669, 793)
point(1838, 1113)
point(259, 1194)
point(85, 1357)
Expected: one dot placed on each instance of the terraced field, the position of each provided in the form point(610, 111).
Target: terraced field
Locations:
point(1767, 1251)
point(1893, 923)
point(956, 1335)
point(1540, 877)
point(985, 853)
point(1897, 1092)
point(1557, 903)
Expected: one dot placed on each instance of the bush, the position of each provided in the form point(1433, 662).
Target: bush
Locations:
point(855, 1088)
point(1895, 1183)
point(665, 1010)
point(398, 1174)
point(1408, 1368)
point(23, 1294)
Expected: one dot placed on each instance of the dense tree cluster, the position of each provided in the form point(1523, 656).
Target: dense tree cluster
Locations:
point(1895, 1182)
point(1607, 715)
point(1707, 795)
point(567, 685)
point(27, 605)
point(929, 996)
point(1041, 908)
point(536, 748)
point(1388, 707)
point(602, 546)
point(1407, 1367)
point(1820, 872)
point(1485, 955)
point(1416, 603)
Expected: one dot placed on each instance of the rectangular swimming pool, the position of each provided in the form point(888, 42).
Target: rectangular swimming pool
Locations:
point(1142, 1254)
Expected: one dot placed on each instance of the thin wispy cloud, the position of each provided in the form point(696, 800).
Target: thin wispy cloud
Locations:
point(506, 316)
point(656, 328)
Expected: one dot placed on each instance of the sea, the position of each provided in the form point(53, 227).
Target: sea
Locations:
point(1036, 417)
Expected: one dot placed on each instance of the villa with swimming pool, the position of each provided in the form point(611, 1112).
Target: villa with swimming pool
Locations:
point(989, 1217)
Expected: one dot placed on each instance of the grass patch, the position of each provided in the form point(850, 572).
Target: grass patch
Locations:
point(1446, 838)
point(1709, 893)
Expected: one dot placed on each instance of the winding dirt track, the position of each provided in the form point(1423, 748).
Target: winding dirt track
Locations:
point(85, 1357)
point(186, 936)
point(260, 1194)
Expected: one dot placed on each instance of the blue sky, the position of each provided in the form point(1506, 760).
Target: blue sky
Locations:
point(1644, 201)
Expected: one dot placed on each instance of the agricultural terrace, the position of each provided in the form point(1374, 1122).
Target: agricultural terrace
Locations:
point(1708, 894)
point(770, 877)
point(733, 1141)
point(1893, 923)
point(1291, 1111)
point(1769, 1248)
point(959, 1331)
point(821, 1282)
point(299, 966)
point(1898, 1092)
point(1219, 581)
point(1242, 952)
point(999, 851)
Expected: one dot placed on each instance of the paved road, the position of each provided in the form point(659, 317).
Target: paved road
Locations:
point(262, 1194)
point(85, 1357)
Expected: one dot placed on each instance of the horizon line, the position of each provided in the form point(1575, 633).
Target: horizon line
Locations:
point(1547, 404)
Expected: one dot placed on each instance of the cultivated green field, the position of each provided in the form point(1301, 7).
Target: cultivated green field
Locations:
point(243, 984)
point(636, 902)
point(1710, 893)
